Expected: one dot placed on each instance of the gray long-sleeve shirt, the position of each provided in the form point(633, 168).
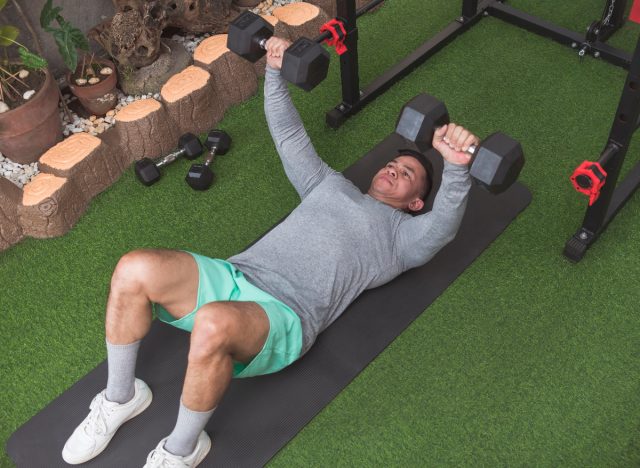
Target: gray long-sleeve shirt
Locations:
point(338, 241)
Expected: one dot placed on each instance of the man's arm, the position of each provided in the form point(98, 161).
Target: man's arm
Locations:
point(303, 166)
point(421, 237)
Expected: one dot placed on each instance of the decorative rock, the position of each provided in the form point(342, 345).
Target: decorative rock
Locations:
point(22, 74)
point(94, 80)
point(106, 71)
point(3, 107)
point(28, 94)
point(172, 60)
point(81, 81)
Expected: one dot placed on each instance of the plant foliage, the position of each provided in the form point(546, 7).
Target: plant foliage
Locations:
point(67, 37)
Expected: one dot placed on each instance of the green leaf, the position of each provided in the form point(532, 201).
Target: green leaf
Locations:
point(67, 49)
point(2, 4)
point(48, 14)
point(31, 60)
point(78, 39)
point(8, 35)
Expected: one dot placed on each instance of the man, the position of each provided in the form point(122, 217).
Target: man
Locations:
point(263, 308)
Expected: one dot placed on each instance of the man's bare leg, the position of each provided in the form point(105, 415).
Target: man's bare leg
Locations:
point(222, 332)
point(167, 277)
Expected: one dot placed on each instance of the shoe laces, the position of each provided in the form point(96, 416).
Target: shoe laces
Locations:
point(96, 422)
point(161, 458)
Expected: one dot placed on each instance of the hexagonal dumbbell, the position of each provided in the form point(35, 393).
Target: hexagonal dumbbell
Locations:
point(497, 160)
point(200, 176)
point(148, 170)
point(305, 63)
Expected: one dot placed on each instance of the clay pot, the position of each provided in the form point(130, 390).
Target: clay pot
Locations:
point(26, 132)
point(101, 97)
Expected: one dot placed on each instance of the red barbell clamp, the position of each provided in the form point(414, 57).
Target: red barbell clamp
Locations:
point(589, 178)
point(338, 33)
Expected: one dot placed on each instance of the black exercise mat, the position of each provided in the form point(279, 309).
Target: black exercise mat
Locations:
point(258, 416)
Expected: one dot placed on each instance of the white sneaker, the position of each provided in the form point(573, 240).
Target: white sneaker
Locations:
point(161, 458)
point(93, 434)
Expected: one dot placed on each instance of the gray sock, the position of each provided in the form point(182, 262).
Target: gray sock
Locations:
point(189, 425)
point(121, 360)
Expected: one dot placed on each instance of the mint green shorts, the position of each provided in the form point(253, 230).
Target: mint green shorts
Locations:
point(220, 281)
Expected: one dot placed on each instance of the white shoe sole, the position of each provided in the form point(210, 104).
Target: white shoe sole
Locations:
point(204, 454)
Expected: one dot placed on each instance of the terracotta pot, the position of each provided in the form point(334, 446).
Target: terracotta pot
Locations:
point(100, 97)
point(29, 130)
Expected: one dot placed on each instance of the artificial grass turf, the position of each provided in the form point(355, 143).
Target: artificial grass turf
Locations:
point(526, 359)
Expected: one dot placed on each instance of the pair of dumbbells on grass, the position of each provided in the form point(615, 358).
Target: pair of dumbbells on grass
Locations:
point(200, 176)
point(496, 162)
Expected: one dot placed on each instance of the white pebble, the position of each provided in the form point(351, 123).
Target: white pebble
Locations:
point(94, 80)
point(28, 94)
point(81, 81)
point(3, 107)
point(22, 74)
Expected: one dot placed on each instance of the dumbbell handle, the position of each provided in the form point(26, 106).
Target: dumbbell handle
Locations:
point(471, 149)
point(169, 158)
point(212, 154)
point(325, 35)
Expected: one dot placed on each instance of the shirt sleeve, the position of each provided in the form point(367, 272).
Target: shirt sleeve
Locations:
point(302, 165)
point(421, 237)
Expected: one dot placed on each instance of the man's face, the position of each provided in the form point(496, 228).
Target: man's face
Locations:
point(400, 184)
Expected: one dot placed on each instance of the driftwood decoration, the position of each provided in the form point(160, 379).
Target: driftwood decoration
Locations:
point(50, 206)
point(192, 102)
point(10, 198)
point(85, 159)
point(132, 36)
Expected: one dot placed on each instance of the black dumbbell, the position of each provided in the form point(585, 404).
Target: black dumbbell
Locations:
point(148, 170)
point(200, 176)
point(496, 162)
point(305, 63)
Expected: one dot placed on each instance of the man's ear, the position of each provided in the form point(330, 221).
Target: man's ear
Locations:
point(416, 204)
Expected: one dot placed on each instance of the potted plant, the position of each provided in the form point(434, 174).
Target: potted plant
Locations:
point(91, 79)
point(29, 122)
point(94, 83)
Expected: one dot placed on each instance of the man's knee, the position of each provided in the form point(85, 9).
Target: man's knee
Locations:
point(213, 331)
point(133, 270)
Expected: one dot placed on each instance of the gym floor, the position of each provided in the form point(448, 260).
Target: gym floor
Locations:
point(526, 359)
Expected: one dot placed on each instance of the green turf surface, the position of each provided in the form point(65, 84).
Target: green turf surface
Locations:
point(526, 359)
